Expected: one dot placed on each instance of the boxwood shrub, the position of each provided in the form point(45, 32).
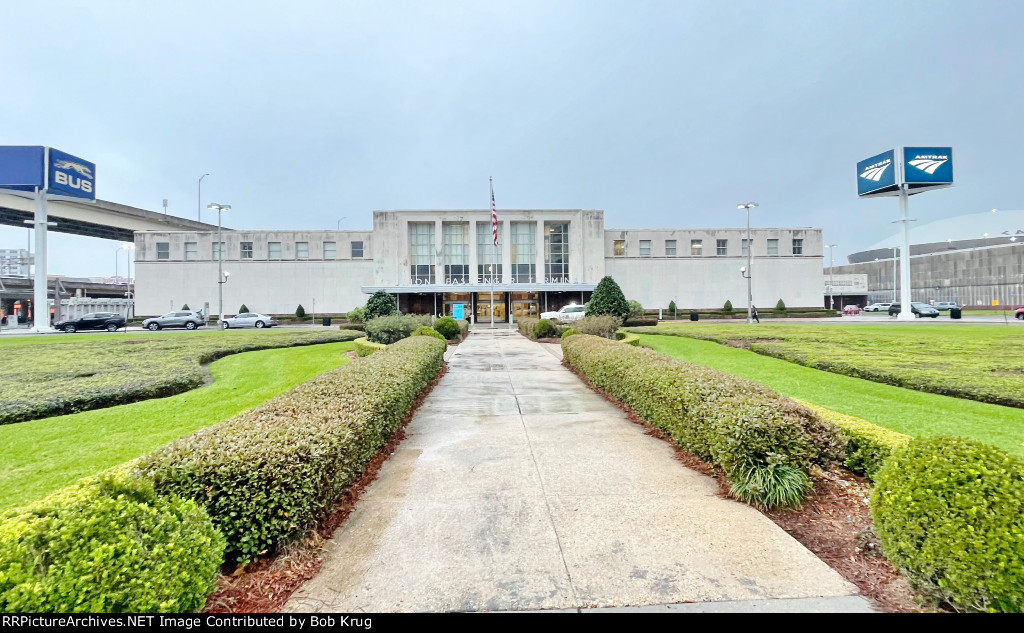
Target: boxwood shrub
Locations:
point(268, 475)
point(949, 513)
point(107, 544)
point(867, 445)
point(764, 442)
point(391, 328)
point(365, 347)
point(544, 329)
point(448, 328)
point(569, 332)
point(426, 330)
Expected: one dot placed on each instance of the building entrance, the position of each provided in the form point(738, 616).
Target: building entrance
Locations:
point(483, 308)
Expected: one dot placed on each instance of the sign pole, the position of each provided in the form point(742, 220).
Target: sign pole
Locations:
point(40, 302)
point(906, 311)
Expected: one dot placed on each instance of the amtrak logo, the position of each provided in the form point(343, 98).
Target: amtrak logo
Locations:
point(67, 164)
point(928, 163)
point(874, 172)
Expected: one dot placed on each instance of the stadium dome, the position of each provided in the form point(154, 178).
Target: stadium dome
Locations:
point(972, 226)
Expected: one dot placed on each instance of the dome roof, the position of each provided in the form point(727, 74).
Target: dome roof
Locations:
point(962, 227)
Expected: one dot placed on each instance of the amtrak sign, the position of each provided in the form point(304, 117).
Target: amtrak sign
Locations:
point(46, 170)
point(918, 169)
point(877, 175)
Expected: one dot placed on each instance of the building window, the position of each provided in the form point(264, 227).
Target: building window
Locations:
point(488, 256)
point(330, 250)
point(191, 250)
point(301, 250)
point(722, 247)
point(670, 248)
point(696, 247)
point(421, 252)
point(456, 252)
point(246, 250)
point(556, 252)
point(357, 250)
point(274, 250)
point(798, 246)
point(645, 248)
point(620, 248)
point(745, 247)
point(218, 248)
point(524, 252)
point(163, 250)
point(773, 247)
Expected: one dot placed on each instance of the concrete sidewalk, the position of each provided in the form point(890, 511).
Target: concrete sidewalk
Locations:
point(518, 488)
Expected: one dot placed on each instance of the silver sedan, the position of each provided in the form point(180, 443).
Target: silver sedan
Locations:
point(248, 319)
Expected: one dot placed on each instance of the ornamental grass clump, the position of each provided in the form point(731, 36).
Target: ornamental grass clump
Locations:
point(949, 513)
point(527, 327)
point(765, 443)
point(604, 326)
point(392, 328)
point(108, 544)
point(267, 476)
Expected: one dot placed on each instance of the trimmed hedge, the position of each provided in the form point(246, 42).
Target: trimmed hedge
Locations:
point(569, 332)
point(267, 476)
point(627, 338)
point(527, 327)
point(757, 436)
point(448, 328)
point(604, 325)
point(544, 329)
point(107, 544)
point(867, 445)
point(365, 347)
point(949, 513)
point(392, 328)
point(426, 330)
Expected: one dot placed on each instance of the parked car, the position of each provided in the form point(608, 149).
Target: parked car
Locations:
point(248, 319)
point(851, 309)
point(877, 307)
point(187, 319)
point(108, 321)
point(566, 314)
point(1019, 314)
point(945, 305)
point(917, 309)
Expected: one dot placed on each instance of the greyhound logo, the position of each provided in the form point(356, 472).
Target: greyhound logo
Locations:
point(67, 164)
point(875, 171)
point(928, 164)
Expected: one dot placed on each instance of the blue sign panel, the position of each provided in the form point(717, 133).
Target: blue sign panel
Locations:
point(458, 311)
point(71, 176)
point(928, 165)
point(877, 174)
point(21, 167)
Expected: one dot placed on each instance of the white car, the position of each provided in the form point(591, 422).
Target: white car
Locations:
point(877, 307)
point(566, 314)
point(248, 319)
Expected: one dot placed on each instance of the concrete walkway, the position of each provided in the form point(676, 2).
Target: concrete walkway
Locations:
point(518, 488)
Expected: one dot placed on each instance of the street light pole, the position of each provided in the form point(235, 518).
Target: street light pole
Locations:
point(199, 199)
point(750, 249)
point(339, 221)
point(220, 261)
point(894, 274)
point(831, 264)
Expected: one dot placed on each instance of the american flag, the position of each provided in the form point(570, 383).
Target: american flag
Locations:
point(494, 215)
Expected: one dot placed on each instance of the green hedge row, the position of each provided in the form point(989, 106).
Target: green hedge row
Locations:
point(426, 330)
point(949, 513)
point(107, 544)
point(764, 442)
point(867, 445)
point(526, 327)
point(365, 347)
point(627, 338)
point(267, 476)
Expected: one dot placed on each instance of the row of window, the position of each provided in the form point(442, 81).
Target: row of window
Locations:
point(697, 247)
point(245, 250)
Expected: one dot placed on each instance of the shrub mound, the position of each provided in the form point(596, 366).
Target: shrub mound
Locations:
point(544, 329)
point(867, 445)
point(604, 326)
point(569, 332)
point(426, 330)
point(107, 544)
point(379, 304)
point(949, 513)
point(267, 476)
point(365, 347)
point(392, 328)
point(448, 328)
point(527, 327)
point(627, 338)
point(764, 442)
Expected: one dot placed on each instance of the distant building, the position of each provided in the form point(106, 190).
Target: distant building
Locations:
point(432, 260)
point(14, 262)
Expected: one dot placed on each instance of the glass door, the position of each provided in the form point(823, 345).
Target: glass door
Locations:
point(483, 307)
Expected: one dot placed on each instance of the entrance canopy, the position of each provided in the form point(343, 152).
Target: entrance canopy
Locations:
point(503, 287)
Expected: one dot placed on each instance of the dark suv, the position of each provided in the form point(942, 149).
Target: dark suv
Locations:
point(108, 321)
point(918, 309)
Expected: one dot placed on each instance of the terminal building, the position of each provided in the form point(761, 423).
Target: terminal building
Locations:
point(430, 260)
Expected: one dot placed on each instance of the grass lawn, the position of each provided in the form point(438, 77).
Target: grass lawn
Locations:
point(59, 374)
point(40, 456)
point(911, 412)
point(978, 362)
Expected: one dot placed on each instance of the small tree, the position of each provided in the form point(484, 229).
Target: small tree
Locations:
point(300, 312)
point(355, 315)
point(780, 307)
point(672, 308)
point(636, 310)
point(608, 299)
point(727, 308)
point(380, 304)
point(242, 309)
point(185, 307)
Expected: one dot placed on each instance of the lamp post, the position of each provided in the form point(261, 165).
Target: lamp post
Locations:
point(339, 221)
point(747, 273)
point(221, 277)
point(831, 264)
point(894, 274)
point(199, 199)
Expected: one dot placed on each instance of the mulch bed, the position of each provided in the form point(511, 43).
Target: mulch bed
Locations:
point(834, 523)
point(265, 585)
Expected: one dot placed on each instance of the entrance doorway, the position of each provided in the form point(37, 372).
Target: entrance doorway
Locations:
point(483, 308)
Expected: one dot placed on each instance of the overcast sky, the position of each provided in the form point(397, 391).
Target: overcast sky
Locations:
point(665, 114)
